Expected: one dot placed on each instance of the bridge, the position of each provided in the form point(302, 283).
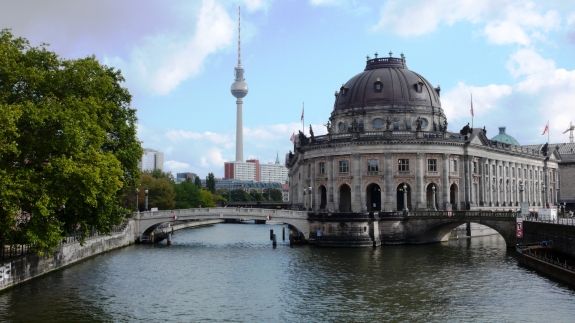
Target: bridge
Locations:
point(346, 229)
point(148, 221)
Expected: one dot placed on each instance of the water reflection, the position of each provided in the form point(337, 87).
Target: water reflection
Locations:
point(230, 272)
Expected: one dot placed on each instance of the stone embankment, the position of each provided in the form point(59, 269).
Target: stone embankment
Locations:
point(19, 269)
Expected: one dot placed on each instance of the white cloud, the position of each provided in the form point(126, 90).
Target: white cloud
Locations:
point(507, 21)
point(175, 165)
point(456, 102)
point(571, 18)
point(528, 62)
point(178, 135)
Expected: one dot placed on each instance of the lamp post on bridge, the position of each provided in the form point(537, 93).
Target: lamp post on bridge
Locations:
point(146, 209)
point(304, 200)
point(405, 198)
point(544, 195)
point(310, 199)
point(433, 207)
point(137, 200)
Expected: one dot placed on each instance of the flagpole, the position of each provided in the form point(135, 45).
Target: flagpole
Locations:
point(548, 131)
point(302, 118)
point(472, 114)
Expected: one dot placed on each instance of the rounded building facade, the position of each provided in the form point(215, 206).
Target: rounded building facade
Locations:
point(389, 148)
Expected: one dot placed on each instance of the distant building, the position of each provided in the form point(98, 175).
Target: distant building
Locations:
point(285, 192)
point(181, 177)
point(151, 159)
point(252, 170)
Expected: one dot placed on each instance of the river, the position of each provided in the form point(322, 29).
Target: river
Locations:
point(231, 273)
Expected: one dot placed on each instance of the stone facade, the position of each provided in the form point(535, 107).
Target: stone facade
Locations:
point(393, 152)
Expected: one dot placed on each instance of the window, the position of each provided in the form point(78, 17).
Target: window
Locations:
point(432, 165)
point(474, 167)
point(377, 86)
point(344, 166)
point(453, 168)
point(524, 173)
point(395, 124)
point(486, 169)
point(506, 171)
point(493, 170)
point(530, 174)
point(403, 165)
point(499, 170)
point(512, 171)
point(372, 165)
point(322, 168)
point(308, 170)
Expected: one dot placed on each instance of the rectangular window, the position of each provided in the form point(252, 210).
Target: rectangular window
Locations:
point(403, 165)
point(432, 165)
point(493, 170)
point(474, 167)
point(512, 171)
point(530, 174)
point(322, 168)
point(524, 173)
point(506, 171)
point(344, 166)
point(453, 167)
point(500, 170)
point(372, 165)
point(486, 169)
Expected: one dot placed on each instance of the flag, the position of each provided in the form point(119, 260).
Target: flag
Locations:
point(292, 139)
point(302, 113)
point(472, 105)
point(546, 130)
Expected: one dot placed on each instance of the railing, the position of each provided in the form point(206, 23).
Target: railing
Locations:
point(220, 210)
point(559, 220)
point(8, 251)
point(464, 214)
point(567, 264)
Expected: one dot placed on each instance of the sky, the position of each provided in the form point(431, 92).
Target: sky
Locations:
point(178, 59)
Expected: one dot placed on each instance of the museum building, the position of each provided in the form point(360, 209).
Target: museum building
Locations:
point(388, 148)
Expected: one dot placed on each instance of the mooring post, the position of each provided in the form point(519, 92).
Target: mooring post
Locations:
point(271, 234)
point(169, 239)
point(284, 233)
point(275, 242)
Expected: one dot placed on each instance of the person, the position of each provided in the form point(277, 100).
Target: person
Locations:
point(374, 206)
point(536, 216)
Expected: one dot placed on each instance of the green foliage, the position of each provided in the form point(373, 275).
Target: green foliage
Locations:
point(68, 146)
point(160, 193)
point(276, 195)
point(187, 195)
point(207, 199)
point(158, 173)
point(240, 196)
point(198, 182)
point(256, 196)
point(211, 183)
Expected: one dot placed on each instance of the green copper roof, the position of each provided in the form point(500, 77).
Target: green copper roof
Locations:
point(505, 138)
point(277, 158)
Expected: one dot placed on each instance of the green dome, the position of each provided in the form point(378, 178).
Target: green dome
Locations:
point(505, 138)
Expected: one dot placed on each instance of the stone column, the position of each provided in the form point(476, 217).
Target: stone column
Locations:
point(419, 184)
point(358, 204)
point(312, 184)
point(330, 174)
point(504, 166)
point(481, 186)
point(497, 183)
point(446, 205)
point(389, 181)
point(490, 182)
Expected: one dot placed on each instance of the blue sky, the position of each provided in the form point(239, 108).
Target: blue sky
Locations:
point(178, 58)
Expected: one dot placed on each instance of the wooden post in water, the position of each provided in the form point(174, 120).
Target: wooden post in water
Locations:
point(275, 242)
point(284, 233)
point(271, 234)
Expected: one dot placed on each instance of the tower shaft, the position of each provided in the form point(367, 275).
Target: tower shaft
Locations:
point(239, 132)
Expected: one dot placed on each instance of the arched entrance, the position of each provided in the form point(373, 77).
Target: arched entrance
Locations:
point(373, 197)
point(401, 190)
point(453, 197)
point(431, 198)
point(323, 197)
point(344, 198)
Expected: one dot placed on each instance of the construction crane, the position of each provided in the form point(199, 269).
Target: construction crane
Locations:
point(571, 128)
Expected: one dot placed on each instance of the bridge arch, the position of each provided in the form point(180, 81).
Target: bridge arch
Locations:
point(435, 230)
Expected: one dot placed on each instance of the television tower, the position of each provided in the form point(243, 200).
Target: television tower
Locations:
point(239, 90)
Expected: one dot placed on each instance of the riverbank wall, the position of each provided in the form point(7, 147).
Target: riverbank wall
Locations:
point(23, 268)
point(563, 236)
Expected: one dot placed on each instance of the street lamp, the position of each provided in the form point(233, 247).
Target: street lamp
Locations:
point(405, 198)
point(433, 208)
point(304, 200)
point(310, 199)
point(521, 190)
point(146, 209)
point(544, 195)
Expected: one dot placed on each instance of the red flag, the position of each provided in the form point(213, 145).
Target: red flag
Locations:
point(472, 105)
point(546, 130)
point(292, 139)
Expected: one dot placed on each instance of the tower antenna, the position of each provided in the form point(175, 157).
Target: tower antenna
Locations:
point(239, 39)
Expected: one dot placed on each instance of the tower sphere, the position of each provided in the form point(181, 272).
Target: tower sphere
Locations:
point(239, 89)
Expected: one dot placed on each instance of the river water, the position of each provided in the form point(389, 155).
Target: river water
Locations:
point(231, 273)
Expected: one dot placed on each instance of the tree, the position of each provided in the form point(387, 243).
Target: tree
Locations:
point(256, 196)
point(207, 199)
point(198, 182)
point(211, 183)
point(187, 195)
point(69, 151)
point(158, 173)
point(240, 196)
point(276, 195)
point(160, 193)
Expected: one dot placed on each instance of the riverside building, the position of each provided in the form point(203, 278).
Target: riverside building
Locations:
point(388, 148)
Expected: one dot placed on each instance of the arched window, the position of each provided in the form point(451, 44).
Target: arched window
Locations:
point(378, 86)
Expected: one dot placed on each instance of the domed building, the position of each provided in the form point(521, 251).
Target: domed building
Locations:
point(389, 148)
